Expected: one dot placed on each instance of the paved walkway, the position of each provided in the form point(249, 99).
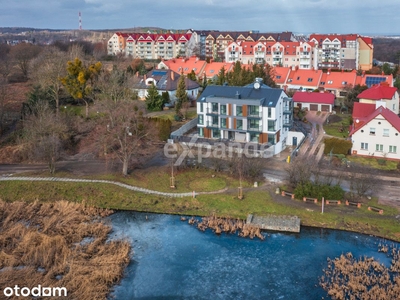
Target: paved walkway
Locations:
point(127, 186)
point(313, 146)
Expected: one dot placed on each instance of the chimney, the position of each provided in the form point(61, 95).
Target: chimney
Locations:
point(238, 95)
point(172, 75)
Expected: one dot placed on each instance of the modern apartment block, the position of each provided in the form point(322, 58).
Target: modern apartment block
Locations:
point(253, 113)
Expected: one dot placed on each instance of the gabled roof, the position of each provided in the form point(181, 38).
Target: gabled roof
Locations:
point(310, 97)
point(212, 69)
point(373, 79)
point(280, 74)
point(384, 112)
point(338, 80)
point(186, 65)
point(302, 77)
point(378, 92)
point(166, 80)
point(266, 96)
point(362, 110)
point(342, 38)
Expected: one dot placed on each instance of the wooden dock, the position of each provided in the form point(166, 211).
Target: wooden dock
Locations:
point(276, 223)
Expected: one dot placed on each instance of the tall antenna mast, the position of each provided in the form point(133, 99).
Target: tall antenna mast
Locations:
point(80, 21)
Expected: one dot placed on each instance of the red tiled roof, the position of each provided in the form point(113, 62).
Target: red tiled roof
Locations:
point(386, 113)
point(362, 110)
point(212, 69)
point(378, 92)
point(310, 97)
point(301, 77)
point(186, 65)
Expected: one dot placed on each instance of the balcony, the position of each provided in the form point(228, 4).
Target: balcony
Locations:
point(287, 123)
point(212, 111)
point(212, 125)
point(287, 110)
point(254, 114)
point(254, 128)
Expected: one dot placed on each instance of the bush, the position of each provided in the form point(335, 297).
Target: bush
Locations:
point(337, 146)
point(318, 191)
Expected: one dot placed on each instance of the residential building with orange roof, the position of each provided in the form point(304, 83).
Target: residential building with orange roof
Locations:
point(303, 80)
point(212, 69)
point(281, 74)
point(337, 82)
point(374, 79)
point(184, 65)
point(376, 135)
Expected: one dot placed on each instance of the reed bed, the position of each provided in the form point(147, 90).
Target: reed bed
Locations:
point(227, 225)
point(61, 244)
point(365, 278)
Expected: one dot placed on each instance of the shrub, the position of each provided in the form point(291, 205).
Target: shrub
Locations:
point(337, 146)
point(318, 191)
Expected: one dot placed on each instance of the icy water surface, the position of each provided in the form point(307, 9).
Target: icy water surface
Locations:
point(173, 260)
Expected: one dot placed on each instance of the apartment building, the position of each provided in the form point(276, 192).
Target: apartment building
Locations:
point(253, 113)
point(343, 51)
point(287, 54)
point(149, 45)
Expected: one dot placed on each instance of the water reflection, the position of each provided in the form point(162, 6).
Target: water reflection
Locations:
point(174, 260)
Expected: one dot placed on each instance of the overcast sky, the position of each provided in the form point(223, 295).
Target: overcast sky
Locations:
point(371, 17)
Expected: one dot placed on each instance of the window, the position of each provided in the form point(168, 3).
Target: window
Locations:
point(269, 112)
point(215, 121)
point(223, 123)
point(201, 107)
point(298, 78)
point(223, 109)
point(309, 79)
point(278, 76)
point(322, 83)
point(271, 125)
point(239, 124)
point(254, 137)
point(364, 146)
point(239, 111)
point(254, 124)
point(201, 119)
point(214, 107)
point(215, 133)
point(379, 147)
point(385, 132)
point(372, 131)
point(330, 81)
point(254, 110)
point(200, 131)
point(392, 149)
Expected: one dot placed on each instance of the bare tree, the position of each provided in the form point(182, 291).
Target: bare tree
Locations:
point(5, 61)
point(49, 67)
point(23, 53)
point(362, 180)
point(4, 94)
point(300, 170)
point(44, 135)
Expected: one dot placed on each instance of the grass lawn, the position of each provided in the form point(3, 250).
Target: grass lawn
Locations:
point(256, 200)
point(376, 163)
point(338, 125)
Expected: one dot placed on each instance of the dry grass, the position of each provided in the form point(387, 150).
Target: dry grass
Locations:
point(59, 244)
point(349, 278)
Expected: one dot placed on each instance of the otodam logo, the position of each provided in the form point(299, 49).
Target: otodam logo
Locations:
point(37, 291)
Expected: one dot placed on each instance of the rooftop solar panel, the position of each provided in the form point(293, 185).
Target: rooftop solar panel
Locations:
point(370, 81)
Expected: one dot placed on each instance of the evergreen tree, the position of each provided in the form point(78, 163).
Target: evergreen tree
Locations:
point(181, 95)
point(221, 79)
point(154, 101)
point(192, 76)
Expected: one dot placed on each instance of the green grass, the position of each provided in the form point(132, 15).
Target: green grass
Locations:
point(334, 128)
point(373, 162)
point(256, 200)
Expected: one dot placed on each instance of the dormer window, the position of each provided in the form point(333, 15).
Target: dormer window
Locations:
point(309, 79)
point(330, 81)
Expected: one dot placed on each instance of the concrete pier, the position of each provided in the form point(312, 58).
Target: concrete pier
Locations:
point(276, 223)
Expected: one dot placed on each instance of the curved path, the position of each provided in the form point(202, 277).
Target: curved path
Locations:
point(127, 186)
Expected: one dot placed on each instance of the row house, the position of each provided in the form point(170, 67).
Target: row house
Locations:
point(200, 67)
point(336, 83)
point(287, 54)
point(343, 51)
point(149, 46)
point(253, 113)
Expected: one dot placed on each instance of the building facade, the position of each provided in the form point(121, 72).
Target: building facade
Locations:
point(249, 114)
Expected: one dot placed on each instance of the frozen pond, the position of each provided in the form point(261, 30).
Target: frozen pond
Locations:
point(174, 260)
